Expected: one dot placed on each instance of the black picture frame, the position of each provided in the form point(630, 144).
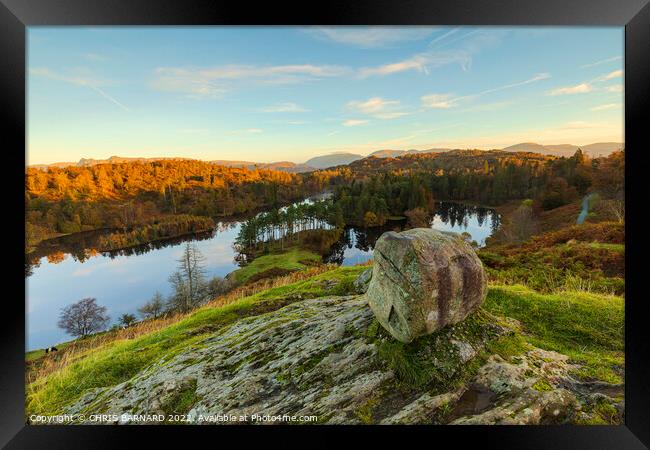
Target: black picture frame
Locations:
point(634, 15)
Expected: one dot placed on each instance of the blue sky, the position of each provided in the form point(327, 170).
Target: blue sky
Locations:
point(290, 93)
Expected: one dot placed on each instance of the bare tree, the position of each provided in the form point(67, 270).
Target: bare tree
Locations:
point(189, 280)
point(218, 286)
point(153, 308)
point(83, 318)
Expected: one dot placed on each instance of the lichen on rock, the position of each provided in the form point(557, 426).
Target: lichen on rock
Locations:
point(314, 357)
point(423, 280)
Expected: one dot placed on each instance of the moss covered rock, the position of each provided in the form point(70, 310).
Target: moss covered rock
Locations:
point(423, 280)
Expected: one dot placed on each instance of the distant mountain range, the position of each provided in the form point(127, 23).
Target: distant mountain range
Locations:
point(343, 158)
point(593, 150)
point(333, 159)
point(87, 162)
point(284, 166)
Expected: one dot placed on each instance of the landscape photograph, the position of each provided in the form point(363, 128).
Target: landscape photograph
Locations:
point(325, 225)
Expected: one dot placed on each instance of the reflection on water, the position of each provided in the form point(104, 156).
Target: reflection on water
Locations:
point(356, 244)
point(122, 280)
point(63, 271)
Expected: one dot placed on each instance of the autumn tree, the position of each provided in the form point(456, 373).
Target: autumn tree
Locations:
point(417, 218)
point(83, 318)
point(522, 224)
point(370, 219)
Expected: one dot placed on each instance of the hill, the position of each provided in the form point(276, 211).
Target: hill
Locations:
point(593, 150)
point(451, 159)
point(398, 153)
point(287, 166)
point(313, 348)
point(283, 166)
point(332, 160)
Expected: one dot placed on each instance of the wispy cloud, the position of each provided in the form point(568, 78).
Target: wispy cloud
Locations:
point(537, 77)
point(588, 86)
point(606, 106)
point(354, 122)
point(581, 88)
point(437, 101)
point(370, 37)
point(603, 61)
point(377, 107)
point(286, 107)
point(438, 54)
point(444, 36)
point(108, 97)
point(214, 82)
point(612, 75)
point(422, 62)
point(78, 80)
point(445, 101)
point(614, 88)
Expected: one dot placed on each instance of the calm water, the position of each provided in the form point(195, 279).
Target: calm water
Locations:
point(64, 273)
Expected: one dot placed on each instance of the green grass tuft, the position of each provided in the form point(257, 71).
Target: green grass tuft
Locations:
point(586, 327)
point(290, 260)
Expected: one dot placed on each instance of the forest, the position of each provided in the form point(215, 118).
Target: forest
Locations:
point(135, 199)
point(127, 195)
point(549, 182)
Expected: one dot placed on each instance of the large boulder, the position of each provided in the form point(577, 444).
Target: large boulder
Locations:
point(422, 280)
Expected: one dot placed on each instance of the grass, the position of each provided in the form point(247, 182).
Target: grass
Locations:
point(181, 401)
point(602, 413)
point(118, 360)
point(611, 247)
point(39, 364)
point(433, 361)
point(585, 326)
point(588, 257)
point(291, 260)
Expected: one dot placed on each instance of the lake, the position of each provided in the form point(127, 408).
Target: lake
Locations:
point(63, 271)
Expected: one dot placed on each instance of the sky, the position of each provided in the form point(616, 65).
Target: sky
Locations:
point(290, 93)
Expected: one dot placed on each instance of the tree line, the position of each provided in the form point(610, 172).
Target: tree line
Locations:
point(550, 183)
point(125, 195)
point(367, 192)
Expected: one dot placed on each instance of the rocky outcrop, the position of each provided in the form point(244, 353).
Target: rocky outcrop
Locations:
point(329, 358)
point(520, 392)
point(316, 357)
point(362, 282)
point(423, 280)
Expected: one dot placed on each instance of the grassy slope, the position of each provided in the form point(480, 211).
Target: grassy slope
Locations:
point(289, 260)
point(584, 257)
point(587, 327)
point(121, 360)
